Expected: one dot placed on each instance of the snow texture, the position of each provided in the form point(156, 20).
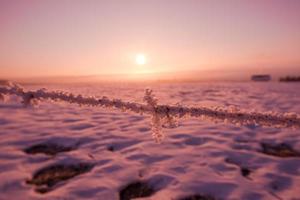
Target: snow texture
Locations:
point(198, 157)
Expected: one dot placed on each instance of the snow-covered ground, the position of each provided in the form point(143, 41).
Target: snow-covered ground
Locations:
point(198, 157)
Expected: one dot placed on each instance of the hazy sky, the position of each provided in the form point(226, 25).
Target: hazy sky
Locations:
point(88, 37)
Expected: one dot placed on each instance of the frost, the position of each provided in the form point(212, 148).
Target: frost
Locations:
point(162, 116)
point(156, 124)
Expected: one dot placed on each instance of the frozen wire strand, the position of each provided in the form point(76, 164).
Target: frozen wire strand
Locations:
point(158, 112)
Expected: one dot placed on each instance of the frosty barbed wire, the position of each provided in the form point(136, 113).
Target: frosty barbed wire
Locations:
point(162, 115)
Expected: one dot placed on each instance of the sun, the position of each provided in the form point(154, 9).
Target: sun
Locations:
point(140, 59)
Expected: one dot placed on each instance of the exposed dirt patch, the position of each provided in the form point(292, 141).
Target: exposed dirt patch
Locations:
point(46, 178)
point(280, 150)
point(136, 190)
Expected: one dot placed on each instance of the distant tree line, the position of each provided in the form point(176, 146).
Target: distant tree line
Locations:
point(290, 79)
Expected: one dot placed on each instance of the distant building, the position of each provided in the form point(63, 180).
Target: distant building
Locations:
point(261, 77)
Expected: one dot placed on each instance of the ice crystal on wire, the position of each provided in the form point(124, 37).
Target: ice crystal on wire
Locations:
point(156, 125)
point(28, 99)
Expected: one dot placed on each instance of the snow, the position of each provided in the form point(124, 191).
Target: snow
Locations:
point(197, 157)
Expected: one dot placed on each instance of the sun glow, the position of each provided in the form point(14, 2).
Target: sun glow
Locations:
point(142, 70)
point(140, 59)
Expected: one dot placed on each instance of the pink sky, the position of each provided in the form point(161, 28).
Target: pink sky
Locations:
point(72, 37)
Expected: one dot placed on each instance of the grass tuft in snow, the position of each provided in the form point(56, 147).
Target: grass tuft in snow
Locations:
point(136, 190)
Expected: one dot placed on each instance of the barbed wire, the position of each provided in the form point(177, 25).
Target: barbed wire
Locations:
point(162, 116)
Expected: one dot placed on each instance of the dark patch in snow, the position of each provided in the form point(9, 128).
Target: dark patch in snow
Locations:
point(194, 141)
point(245, 171)
point(136, 190)
point(198, 197)
point(46, 178)
point(48, 149)
point(279, 182)
point(111, 148)
point(280, 150)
